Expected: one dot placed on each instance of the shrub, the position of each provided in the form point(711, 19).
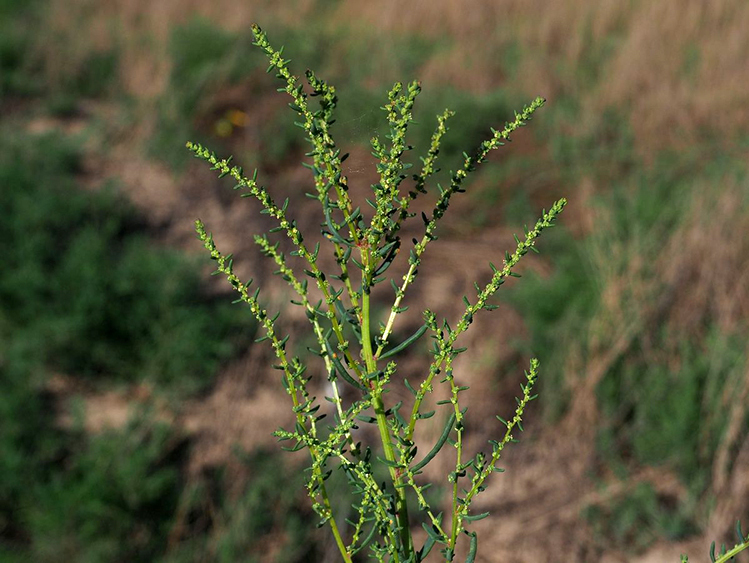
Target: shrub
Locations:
point(348, 345)
point(383, 522)
point(223, 526)
point(85, 292)
point(116, 500)
point(88, 291)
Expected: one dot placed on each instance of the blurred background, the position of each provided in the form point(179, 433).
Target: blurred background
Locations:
point(136, 412)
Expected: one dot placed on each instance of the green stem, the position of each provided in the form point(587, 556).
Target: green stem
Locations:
point(733, 553)
point(459, 452)
point(379, 408)
point(331, 520)
point(369, 360)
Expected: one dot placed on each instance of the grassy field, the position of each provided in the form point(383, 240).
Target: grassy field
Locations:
point(136, 411)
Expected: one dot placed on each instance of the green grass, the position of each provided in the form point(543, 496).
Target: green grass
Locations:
point(634, 520)
point(114, 502)
point(237, 530)
point(86, 288)
point(17, 73)
point(86, 293)
point(204, 59)
point(123, 495)
point(208, 60)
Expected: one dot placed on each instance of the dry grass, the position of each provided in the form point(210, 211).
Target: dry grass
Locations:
point(678, 68)
point(140, 30)
point(705, 260)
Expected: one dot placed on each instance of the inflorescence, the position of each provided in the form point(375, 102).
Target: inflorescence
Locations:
point(356, 354)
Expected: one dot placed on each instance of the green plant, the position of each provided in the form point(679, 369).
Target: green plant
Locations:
point(214, 524)
point(725, 555)
point(83, 294)
point(94, 300)
point(383, 522)
point(667, 410)
point(116, 499)
point(349, 346)
point(17, 18)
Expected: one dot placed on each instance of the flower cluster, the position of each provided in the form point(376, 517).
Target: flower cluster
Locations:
point(350, 348)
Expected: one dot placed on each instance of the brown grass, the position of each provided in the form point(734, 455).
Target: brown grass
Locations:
point(677, 68)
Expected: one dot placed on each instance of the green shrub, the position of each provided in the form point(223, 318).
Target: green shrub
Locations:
point(89, 291)
point(37, 64)
point(636, 519)
point(114, 502)
point(85, 292)
point(29, 443)
point(18, 77)
point(382, 522)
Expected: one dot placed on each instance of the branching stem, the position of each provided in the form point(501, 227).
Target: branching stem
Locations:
point(389, 537)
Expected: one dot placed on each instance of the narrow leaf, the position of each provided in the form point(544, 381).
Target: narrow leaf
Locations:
point(472, 548)
point(410, 388)
point(407, 342)
point(438, 446)
point(475, 517)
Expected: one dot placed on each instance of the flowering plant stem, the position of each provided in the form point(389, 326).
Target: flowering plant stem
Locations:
point(384, 524)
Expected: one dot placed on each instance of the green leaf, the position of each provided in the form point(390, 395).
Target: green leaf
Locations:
point(342, 371)
point(433, 534)
point(366, 540)
point(438, 446)
point(426, 548)
point(475, 517)
point(472, 548)
point(387, 462)
point(407, 342)
point(408, 386)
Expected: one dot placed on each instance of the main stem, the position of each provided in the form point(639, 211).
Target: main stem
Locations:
point(379, 408)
